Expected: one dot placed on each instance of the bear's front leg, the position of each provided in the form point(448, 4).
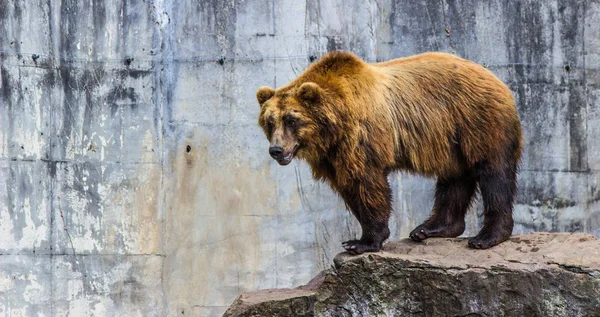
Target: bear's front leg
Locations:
point(370, 200)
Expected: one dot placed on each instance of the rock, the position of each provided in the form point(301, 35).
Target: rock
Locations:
point(535, 274)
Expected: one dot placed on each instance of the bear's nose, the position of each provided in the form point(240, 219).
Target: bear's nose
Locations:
point(276, 151)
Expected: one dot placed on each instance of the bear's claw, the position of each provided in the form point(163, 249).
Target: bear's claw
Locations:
point(487, 239)
point(358, 247)
point(418, 235)
point(432, 229)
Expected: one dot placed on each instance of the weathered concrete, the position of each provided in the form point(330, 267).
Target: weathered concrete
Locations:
point(535, 274)
point(99, 104)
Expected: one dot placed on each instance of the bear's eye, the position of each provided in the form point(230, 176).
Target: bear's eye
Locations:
point(291, 122)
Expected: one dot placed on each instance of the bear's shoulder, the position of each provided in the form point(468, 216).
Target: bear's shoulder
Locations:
point(338, 62)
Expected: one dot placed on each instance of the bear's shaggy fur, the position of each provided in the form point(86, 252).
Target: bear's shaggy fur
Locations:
point(434, 114)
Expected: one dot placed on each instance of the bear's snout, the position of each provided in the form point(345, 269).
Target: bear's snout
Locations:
point(281, 155)
point(276, 152)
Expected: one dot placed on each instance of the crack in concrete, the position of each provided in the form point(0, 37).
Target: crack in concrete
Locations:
point(65, 228)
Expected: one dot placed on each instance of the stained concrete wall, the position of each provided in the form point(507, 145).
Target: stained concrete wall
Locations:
point(135, 180)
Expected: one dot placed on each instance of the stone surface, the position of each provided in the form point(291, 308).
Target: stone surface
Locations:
point(101, 100)
point(535, 274)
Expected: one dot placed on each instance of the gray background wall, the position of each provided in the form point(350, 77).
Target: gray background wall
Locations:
point(144, 188)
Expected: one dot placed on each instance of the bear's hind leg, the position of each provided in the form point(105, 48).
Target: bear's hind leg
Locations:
point(370, 200)
point(452, 200)
point(498, 188)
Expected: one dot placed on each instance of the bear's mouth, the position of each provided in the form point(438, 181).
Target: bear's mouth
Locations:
point(287, 159)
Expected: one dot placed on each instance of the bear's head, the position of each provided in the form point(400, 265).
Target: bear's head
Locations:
point(297, 121)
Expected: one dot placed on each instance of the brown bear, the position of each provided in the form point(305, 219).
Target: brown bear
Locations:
point(434, 114)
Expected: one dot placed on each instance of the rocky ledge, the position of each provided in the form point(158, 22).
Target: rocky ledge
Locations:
point(535, 274)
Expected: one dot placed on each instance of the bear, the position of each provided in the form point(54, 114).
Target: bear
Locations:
point(433, 114)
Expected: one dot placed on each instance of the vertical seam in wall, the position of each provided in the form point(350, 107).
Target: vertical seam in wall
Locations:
point(160, 101)
point(164, 210)
point(49, 165)
point(586, 96)
point(277, 195)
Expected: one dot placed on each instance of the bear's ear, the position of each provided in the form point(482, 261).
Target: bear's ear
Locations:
point(264, 93)
point(309, 91)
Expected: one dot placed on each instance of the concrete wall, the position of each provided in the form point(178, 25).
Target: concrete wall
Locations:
point(135, 180)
